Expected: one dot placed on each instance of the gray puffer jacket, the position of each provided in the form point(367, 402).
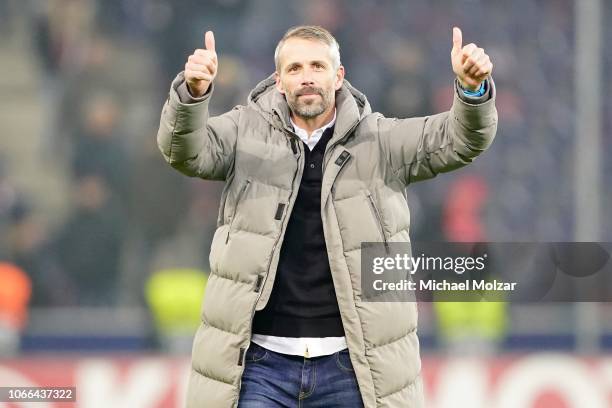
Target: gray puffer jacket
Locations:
point(367, 165)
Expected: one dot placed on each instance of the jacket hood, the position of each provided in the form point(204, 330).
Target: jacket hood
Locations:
point(351, 105)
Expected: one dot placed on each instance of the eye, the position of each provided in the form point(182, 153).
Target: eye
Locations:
point(318, 66)
point(293, 68)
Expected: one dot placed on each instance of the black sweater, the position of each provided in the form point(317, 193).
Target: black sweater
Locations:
point(303, 301)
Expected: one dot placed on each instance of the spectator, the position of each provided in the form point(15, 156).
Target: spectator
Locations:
point(88, 247)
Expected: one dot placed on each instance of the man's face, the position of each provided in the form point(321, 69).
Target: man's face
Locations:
point(307, 78)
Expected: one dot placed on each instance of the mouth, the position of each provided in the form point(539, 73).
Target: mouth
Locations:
point(309, 95)
point(309, 92)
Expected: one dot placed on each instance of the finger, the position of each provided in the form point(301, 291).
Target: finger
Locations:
point(472, 59)
point(483, 66)
point(478, 66)
point(484, 73)
point(467, 66)
point(457, 39)
point(206, 54)
point(199, 58)
point(476, 54)
point(205, 68)
point(209, 41)
point(467, 51)
point(201, 76)
point(200, 52)
point(211, 66)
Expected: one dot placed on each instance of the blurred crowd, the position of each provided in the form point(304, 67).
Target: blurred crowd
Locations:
point(103, 69)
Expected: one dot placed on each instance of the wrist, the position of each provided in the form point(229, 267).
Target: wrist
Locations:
point(194, 92)
point(466, 86)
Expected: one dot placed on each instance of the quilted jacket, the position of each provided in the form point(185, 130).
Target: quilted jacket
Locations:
point(367, 165)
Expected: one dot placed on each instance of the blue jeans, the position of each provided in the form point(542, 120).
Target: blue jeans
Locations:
point(272, 380)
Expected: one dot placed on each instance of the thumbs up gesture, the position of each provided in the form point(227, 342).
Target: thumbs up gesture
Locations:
point(201, 67)
point(470, 63)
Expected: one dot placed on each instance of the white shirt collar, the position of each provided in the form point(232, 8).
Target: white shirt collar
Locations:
point(312, 141)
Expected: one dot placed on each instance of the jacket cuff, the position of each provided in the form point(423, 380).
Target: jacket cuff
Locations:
point(475, 115)
point(474, 100)
point(182, 91)
point(190, 114)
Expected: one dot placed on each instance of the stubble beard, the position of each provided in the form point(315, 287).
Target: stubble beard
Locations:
point(310, 108)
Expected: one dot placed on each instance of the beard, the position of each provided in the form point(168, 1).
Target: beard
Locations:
point(313, 106)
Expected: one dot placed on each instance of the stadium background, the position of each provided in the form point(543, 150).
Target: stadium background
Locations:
point(106, 234)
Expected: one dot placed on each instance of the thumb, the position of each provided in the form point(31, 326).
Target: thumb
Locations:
point(457, 39)
point(209, 41)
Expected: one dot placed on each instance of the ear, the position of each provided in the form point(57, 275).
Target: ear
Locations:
point(339, 77)
point(279, 86)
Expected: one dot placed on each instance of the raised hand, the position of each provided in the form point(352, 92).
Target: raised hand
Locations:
point(201, 67)
point(470, 63)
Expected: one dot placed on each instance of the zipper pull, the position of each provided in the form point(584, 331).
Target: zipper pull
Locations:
point(258, 283)
point(293, 145)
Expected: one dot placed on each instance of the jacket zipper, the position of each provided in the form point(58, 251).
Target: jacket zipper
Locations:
point(295, 150)
point(379, 221)
point(278, 238)
point(239, 199)
point(261, 286)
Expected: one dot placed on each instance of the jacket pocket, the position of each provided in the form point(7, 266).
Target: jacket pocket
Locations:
point(378, 218)
point(243, 190)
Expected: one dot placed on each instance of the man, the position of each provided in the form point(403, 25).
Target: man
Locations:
point(310, 173)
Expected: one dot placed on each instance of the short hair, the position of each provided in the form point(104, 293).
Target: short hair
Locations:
point(310, 32)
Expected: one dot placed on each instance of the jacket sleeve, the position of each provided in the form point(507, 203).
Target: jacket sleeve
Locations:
point(419, 148)
point(194, 143)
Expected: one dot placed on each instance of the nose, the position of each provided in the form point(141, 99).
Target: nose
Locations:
point(306, 81)
point(307, 78)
